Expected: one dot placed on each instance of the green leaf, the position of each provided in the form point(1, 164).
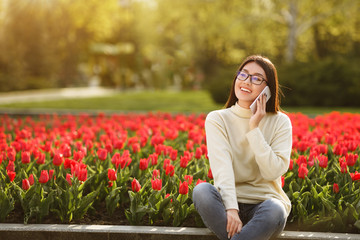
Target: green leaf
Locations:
point(45, 205)
point(357, 224)
point(112, 200)
point(6, 205)
point(85, 203)
point(164, 204)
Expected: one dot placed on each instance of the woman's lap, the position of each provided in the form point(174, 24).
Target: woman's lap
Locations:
point(261, 221)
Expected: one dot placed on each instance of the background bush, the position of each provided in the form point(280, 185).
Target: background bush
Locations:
point(330, 82)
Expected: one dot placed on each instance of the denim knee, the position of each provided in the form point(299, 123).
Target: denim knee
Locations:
point(201, 194)
point(276, 213)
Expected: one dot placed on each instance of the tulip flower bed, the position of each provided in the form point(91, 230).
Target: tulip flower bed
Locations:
point(143, 168)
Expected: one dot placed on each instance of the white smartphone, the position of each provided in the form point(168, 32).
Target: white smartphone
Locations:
point(266, 91)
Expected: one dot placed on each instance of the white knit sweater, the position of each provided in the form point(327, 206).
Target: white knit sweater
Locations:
point(247, 165)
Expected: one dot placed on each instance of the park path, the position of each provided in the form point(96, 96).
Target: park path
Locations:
point(54, 94)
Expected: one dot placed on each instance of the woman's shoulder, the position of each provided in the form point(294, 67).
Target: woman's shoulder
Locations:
point(217, 114)
point(280, 118)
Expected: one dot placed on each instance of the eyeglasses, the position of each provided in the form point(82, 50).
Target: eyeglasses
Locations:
point(257, 80)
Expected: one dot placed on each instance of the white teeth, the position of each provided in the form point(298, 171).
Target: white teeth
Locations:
point(246, 90)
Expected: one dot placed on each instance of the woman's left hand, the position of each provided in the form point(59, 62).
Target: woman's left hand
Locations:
point(259, 114)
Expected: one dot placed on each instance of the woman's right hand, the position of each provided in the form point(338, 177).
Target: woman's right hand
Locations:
point(234, 224)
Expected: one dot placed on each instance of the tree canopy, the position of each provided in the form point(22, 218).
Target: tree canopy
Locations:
point(161, 43)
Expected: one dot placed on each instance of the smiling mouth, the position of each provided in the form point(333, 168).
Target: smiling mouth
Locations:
point(245, 90)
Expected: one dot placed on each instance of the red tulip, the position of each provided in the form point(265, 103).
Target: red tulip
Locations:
point(291, 164)
point(156, 173)
point(41, 158)
point(301, 160)
point(336, 188)
point(166, 163)
point(135, 147)
point(303, 171)
point(143, 165)
point(11, 154)
point(184, 161)
point(68, 162)
point(183, 188)
point(44, 176)
point(189, 145)
point(159, 149)
point(66, 150)
point(351, 159)
point(68, 178)
point(115, 158)
point(323, 161)
point(355, 176)
point(25, 184)
point(153, 158)
point(82, 176)
point(109, 147)
point(320, 149)
point(282, 181)
point(25, 157)
point(112, 174)
point(119, 144)
point(343, 165)
point(78, 156)
point(312, 156)
point(156, 184)
point(125, 160)
point(31, 179)
point(58, 159)
point(102, 154)
point(11, 175)
point(188, 178)
point(198, 153)
point(340, 150)
point(135, 185)
point(170, 170)
point(51, 173)
point(173, 154)
point(210, 174)
point(10, 166)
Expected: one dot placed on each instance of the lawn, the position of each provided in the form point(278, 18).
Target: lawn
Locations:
point(165, 101)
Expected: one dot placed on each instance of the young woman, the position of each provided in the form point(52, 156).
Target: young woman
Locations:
point(248, 154)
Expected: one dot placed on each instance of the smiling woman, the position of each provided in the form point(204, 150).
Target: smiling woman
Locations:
point(248, 153)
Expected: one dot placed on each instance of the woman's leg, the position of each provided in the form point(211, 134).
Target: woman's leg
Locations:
point(208, 203)
point(267, 221)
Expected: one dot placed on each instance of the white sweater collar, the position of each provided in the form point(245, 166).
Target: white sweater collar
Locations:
point(240, 111)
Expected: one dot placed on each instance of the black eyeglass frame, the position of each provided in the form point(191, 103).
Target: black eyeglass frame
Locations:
point(251, 76)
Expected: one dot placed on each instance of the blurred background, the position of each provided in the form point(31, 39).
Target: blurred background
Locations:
point(182, 45)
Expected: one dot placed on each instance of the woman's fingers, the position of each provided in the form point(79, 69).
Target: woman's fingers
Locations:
point(234, 223)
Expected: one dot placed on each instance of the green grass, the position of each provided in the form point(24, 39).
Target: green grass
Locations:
point(187, 101)
point(165, 101)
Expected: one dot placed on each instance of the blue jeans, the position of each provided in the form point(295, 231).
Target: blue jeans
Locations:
point(261, 221)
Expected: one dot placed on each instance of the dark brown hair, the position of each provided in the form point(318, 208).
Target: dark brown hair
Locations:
point(273, 105)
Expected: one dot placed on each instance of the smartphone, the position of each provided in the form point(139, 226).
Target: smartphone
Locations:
point(266, 91)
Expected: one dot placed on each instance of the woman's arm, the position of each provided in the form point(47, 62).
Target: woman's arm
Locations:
point(220, 157)
point(272, 158)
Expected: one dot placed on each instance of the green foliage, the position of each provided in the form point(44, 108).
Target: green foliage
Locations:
point(162, 44)
point(315, 204)
point(220, 83)
point(6, 204)
point(328, 82)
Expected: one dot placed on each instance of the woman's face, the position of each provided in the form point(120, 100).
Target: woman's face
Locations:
point(245, 91)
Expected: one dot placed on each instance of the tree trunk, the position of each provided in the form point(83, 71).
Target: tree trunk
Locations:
point(292, 26)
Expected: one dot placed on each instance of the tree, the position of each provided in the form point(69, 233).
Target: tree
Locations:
point(300, 16)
